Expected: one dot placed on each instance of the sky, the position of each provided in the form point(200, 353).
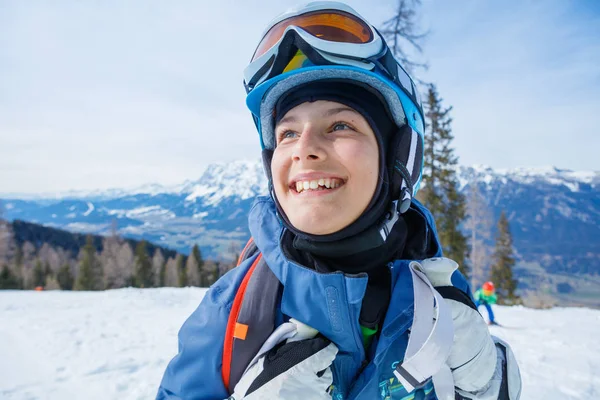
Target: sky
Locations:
point(114, 94)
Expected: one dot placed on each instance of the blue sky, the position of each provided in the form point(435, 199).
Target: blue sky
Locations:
point(103, 94)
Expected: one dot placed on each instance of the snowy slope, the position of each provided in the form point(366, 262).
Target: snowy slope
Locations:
point(116, 344)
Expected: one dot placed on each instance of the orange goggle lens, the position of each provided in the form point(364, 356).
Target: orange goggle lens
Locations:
point(334, 26)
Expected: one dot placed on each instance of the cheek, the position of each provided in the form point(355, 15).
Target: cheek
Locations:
point(280, 164)
point(362, 161)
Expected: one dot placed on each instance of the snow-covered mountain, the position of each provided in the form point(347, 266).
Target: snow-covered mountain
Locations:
point(210, 211)
point(554, 213)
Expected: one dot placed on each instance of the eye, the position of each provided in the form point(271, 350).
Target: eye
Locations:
point(338, 126)
point(287, 135)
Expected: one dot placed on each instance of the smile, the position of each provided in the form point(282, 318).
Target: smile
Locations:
point(317, 184)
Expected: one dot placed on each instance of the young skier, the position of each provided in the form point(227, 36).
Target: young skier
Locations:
point(334, 296)
point(486, 296)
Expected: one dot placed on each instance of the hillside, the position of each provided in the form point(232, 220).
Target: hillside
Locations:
point(71, 242)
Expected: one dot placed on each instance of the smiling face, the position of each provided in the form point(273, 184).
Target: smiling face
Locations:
point(325, 166)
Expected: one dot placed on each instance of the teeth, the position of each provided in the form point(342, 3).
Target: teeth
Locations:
point(318, 184)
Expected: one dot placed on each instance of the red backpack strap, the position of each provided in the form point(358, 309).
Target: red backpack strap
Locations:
point(252, 317)
point(247, 252)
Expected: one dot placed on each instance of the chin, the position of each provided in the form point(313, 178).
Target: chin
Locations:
point(315, 225)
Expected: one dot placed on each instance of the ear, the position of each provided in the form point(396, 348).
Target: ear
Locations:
point(405, 157)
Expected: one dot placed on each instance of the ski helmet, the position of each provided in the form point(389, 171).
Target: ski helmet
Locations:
point(330, 41)
point(488, 287)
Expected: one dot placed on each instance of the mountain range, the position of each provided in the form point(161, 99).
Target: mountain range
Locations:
point(554, 216)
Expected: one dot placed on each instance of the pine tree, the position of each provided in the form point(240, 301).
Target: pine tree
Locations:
point(39, 274)
point(454, 242)
point(440, 193)
point(8, 280)
point(65, 277)
point(28, 257)
point(144, 276)
point(181, 271)
point(90, 275)
point(18, 266)
point(504, 261)
point(437, 120)
point(51, 283)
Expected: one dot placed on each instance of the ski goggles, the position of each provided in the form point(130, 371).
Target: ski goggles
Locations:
point(324, 37)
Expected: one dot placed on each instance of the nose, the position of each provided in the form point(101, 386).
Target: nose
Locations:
point(310, 146)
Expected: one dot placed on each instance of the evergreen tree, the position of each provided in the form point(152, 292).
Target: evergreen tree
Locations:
point(440, 193)
point(39, 274)
point(65, 277)
point(181, 271)
point(18, 266)
point(90, 275)
point(51, 283)
point(8, 280)
point(144, 276)
point(504, 261)
point(438, 122)
point(454, 242)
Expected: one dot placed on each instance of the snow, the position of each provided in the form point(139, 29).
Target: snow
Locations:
point(242, 178)
point(572, 180)
point(102, 345)
point(116, 344)
point(149, 211)
point(200, 215)
point(89, 210)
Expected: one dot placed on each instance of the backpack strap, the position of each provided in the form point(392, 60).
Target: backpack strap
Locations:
point(252, 317)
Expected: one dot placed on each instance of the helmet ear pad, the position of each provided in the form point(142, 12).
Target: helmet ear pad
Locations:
point(404, 160)
point(267, 157)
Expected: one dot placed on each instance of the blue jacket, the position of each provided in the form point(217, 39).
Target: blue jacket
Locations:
point(335, 300)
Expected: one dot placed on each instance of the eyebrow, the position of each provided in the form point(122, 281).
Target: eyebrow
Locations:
point(330, 112)
point(337, 110)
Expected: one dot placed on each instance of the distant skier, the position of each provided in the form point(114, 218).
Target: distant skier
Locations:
point(486, 296)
